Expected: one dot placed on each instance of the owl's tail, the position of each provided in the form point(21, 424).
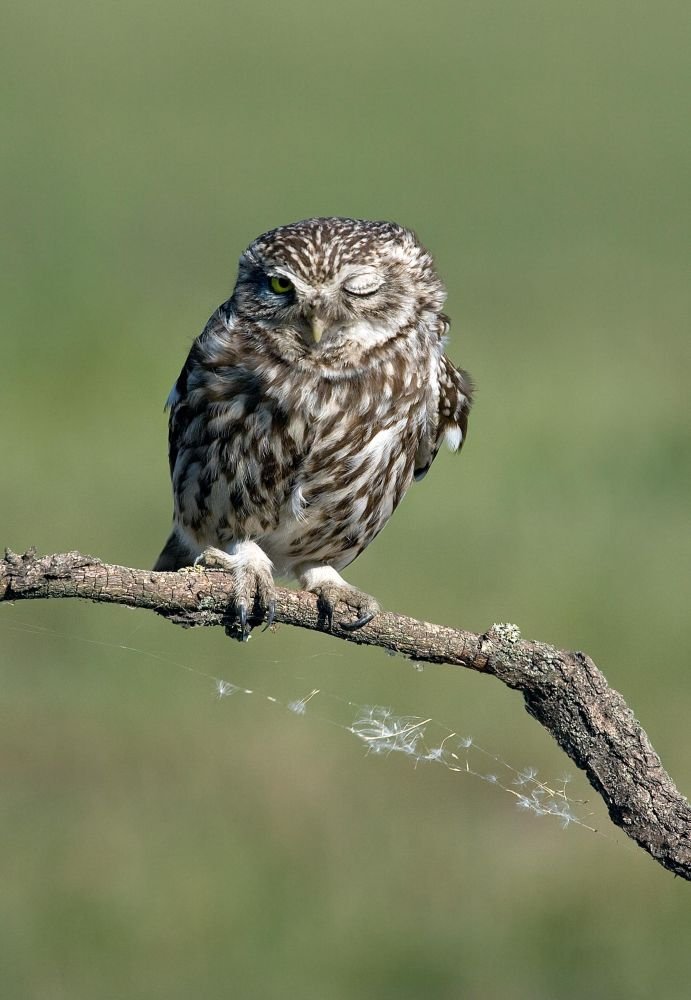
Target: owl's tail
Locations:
point(174, 556)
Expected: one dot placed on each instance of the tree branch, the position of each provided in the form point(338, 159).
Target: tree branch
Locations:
point(564, 691)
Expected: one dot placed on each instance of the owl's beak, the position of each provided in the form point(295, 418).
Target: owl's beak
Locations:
point(317, 327)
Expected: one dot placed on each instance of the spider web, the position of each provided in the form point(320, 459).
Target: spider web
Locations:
point(381, 731)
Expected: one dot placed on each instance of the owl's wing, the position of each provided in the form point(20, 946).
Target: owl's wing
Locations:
point(447, 418)
point(193, 377)
point(178, 415)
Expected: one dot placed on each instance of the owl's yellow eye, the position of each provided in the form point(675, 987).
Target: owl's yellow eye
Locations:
point(280, 285)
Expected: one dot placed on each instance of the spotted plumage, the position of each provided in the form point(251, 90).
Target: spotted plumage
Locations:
point(306, 407)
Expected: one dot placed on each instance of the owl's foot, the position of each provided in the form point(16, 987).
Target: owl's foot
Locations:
point(253, 591)
point(331, 589)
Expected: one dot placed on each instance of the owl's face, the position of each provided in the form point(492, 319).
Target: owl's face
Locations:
point(324, 286)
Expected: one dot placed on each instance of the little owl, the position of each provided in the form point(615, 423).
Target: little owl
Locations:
point(307, 406)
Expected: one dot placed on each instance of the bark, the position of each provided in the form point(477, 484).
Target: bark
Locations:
point(563, 690)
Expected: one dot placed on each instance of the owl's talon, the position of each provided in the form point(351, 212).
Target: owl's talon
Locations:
point(270, 614)
point(359, 623)
point(332, 590)
point(329, 613)
point(242, 615)
point(252, 593)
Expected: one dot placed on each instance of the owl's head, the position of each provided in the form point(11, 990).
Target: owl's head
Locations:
point(327, 285)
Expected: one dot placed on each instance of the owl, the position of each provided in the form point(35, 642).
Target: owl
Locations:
point(308, 405)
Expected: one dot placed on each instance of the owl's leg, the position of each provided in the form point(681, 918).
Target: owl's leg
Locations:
point(253, 584)
point(331, 589)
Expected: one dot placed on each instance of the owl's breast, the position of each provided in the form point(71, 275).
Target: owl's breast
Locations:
point(235, 466)
point(353, 476)
point(310, 468)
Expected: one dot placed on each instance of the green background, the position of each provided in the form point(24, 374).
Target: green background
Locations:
point(157, 842)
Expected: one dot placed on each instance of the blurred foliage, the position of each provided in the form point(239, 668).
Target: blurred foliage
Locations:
point(159, 843)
